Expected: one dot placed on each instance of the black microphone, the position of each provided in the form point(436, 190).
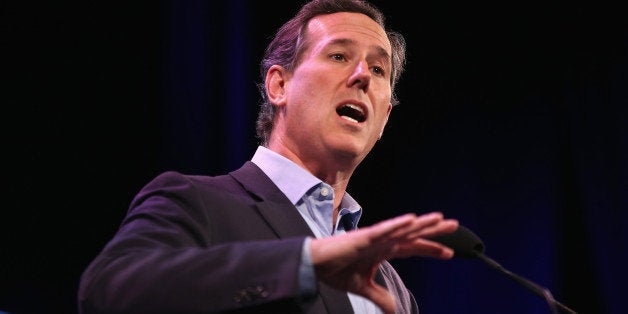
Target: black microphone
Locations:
point(467, 244)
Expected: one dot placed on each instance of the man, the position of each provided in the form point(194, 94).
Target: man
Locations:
point(279, 235)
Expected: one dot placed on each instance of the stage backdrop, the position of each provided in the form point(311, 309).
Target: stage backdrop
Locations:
point(513, 119)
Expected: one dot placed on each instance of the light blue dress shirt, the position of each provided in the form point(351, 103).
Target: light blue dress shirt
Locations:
point(314, 200)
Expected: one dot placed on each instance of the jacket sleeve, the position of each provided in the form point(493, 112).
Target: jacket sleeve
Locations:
point(182, 247)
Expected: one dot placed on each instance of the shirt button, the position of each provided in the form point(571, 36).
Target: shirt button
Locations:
point(324, 191)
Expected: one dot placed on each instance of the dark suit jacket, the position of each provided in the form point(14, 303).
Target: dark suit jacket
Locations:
point(199, 244)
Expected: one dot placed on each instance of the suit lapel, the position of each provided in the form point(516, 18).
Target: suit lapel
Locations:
point(286, 221)
point(272, 204)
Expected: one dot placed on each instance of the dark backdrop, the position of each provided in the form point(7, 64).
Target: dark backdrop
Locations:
point(512, 119)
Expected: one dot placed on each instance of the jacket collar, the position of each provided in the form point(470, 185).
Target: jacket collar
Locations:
point(272, 204)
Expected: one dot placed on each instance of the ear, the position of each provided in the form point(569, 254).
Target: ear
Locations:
point(275, 85)
point(385, 121)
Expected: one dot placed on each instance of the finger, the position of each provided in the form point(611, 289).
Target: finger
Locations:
point(391, 228)
point(442, 227)
point(423, 247)
point(428, 225)
point(404, 225)
point(381, 297)
point(373, 239)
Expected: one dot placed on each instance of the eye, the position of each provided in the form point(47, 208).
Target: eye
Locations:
point(338, 57)
point(378, 71)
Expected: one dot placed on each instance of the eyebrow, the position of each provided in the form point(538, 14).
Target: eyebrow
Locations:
point(381, 52)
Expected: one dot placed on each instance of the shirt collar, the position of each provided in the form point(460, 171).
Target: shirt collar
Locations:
point(291, 179)
point(295, 181)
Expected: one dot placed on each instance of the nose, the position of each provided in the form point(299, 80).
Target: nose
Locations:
point(361, 76)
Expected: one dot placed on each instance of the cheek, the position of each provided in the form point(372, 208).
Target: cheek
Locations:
point(383, 107)
point(300, 87)
point(381, 94)
point(383, 113)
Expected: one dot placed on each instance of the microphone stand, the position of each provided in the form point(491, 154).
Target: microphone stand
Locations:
point(541, 291)
point(467, 244)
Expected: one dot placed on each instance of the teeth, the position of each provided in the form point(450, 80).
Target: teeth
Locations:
point(358, 108)
point(351, 112)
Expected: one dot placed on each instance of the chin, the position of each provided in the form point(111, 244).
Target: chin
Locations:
point(353, 154)
point(350, 146)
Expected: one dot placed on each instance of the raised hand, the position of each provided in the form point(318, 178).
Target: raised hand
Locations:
point(349, 261)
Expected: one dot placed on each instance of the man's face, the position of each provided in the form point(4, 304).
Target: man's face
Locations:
point(337, 100)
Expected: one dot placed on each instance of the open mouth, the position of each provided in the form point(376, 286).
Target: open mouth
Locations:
point(351, 112)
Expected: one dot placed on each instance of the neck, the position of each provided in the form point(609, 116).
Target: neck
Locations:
point(329, 169)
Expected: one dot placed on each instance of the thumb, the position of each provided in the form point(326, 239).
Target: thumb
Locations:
point(381, 297)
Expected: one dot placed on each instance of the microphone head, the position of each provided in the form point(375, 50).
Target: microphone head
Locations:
point(463, 241)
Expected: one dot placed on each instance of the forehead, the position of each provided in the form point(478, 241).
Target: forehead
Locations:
point(356, 26)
